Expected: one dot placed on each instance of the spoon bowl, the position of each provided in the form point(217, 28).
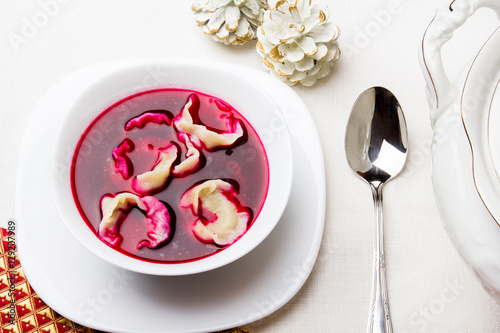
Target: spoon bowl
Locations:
point(376, 136)
point(376, 148)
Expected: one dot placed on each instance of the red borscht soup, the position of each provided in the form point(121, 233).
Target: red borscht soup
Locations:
point(170, 175)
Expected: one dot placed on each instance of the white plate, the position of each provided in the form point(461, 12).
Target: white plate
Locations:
point(481, 116)
point(96, 294)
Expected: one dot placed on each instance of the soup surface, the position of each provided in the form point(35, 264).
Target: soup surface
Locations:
point(170, 175)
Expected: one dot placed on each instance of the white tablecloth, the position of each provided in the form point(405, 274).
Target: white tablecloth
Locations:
point(430, 288)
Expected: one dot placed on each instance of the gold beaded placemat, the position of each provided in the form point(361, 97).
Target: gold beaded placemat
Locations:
point(21, 309)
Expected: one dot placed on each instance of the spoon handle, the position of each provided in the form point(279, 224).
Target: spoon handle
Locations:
point(379, 319)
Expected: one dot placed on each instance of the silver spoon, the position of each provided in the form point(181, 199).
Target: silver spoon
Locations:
point(376, 148)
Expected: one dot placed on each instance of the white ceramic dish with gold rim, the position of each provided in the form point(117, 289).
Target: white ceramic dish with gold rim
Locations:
point(465, 116)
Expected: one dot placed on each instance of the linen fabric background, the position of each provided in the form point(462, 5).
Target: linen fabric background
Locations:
point(430, 288)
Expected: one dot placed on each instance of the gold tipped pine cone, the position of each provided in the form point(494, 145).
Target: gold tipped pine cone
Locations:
point(297, 42)
point(232, 22)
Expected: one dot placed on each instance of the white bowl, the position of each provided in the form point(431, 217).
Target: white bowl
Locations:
point(245, 96)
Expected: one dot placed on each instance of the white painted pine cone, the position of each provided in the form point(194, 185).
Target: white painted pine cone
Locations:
point(232, 22)
point(297, 42)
